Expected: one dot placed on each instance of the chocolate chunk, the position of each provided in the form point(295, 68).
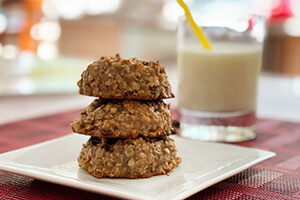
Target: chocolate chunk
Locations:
point(94, 141)
point(170, 132)
point(106, 132)
point(109, 143)
point(109, 131)
point(112, 141)
point(175, 127)
point(108, 147)
point(128, 93)
point(173, 131)
point(176, 124)
point(145, 63)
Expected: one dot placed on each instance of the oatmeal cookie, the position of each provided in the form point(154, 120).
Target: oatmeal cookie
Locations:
point(117, 78)
point(128, 158)
point(124, 119)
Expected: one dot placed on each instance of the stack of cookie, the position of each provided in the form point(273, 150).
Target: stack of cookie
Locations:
point(128, 123)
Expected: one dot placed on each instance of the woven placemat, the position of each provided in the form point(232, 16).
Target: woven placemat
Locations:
point(276, 178)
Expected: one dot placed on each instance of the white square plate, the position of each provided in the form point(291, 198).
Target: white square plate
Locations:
point(203, 164)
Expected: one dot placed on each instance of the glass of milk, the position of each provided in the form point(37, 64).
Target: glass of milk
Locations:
point(217, 88)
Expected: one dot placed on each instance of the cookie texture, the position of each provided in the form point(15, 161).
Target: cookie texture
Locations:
point(128, 158)
point(117, 78)
point(124, 119)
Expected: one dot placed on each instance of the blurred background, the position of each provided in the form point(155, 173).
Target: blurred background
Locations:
point(45, 44)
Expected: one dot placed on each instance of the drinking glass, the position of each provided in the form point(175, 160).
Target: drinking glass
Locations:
point(217, 89)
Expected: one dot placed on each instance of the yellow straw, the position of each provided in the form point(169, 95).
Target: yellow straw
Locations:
point(196, 29)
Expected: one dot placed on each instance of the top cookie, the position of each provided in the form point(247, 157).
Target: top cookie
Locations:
point(117, 78)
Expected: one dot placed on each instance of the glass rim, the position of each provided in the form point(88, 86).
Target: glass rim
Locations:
point(248, 17)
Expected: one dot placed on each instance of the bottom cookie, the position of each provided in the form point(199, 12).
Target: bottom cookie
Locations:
point(128, 158)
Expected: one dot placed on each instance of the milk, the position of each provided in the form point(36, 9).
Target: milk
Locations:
point(220, 80)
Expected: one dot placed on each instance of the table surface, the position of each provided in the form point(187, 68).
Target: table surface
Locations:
point(276, 178)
